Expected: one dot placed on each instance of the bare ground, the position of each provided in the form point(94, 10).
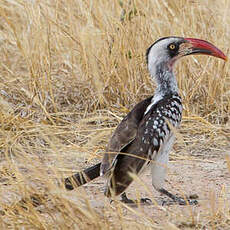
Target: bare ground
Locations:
point(200, 171)
point(209, 178)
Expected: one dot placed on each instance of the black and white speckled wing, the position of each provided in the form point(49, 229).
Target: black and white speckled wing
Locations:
point(153, 133)
point(155, 127)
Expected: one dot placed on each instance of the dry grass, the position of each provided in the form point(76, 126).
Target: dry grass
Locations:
point(70, 70)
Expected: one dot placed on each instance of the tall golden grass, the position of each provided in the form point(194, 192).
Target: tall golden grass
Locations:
point(69, 71)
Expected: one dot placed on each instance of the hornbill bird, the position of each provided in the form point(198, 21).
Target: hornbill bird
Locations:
point(146, 135)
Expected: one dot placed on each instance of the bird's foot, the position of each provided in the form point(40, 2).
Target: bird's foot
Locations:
point(145, 200)
point(126, 200)
point(180, 201)
point(191, 200)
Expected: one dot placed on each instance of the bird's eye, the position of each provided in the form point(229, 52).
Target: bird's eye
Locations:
point(172, 46)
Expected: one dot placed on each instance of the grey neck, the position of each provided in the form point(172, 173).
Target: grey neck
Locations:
point(165, 79)
point(166, 83)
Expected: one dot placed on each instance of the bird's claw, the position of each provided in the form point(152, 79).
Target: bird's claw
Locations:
point(126, 200)
point(186, 201)
point(180, 201)
point(145, 201)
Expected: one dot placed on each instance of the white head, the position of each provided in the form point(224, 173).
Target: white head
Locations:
point(166, 51)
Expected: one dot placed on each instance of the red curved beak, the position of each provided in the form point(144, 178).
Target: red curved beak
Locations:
point(199, 46)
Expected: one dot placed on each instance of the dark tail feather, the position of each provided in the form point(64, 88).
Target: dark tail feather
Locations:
point(82, 177)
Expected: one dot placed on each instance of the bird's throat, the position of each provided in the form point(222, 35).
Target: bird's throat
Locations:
point(165, 80)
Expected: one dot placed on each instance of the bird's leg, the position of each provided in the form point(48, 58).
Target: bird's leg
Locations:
point(178, 200)
point(126, 200)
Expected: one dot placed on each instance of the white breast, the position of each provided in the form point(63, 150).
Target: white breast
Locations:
point(160, 163)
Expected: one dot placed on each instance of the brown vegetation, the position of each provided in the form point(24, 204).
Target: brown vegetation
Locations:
point(69, 71)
